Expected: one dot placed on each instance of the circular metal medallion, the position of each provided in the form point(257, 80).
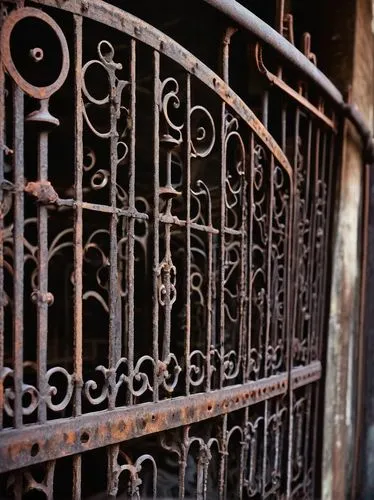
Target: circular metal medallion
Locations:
point(10, 22)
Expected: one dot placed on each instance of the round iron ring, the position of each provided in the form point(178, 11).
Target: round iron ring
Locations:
point(6, 32)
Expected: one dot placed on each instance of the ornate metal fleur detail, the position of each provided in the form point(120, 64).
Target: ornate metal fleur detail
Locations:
point(136, 380)
point(7, 376)
point(134, 470)
point(57, 396)
point(113, 98)
point(169, 100)
point(167, 291)
point(253, 454)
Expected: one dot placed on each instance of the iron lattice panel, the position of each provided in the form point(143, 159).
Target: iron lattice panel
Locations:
point(164, 266)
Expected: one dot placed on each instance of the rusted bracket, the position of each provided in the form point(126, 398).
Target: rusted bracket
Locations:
point(43, 191)
point(45, 194)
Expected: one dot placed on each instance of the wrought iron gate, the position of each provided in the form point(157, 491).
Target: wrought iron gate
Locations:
point(164, 260)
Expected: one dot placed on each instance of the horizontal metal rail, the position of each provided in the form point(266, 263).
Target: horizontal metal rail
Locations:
point(38, 443)
point(249, 21)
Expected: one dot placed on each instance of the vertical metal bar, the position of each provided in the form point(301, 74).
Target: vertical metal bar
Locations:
point(78, 229)
point(223, 461)
point(268, 312)
point(284, 127)
point(293, 288)
point(131, 223)
point(316, 420)
point(156, 198)
point(277, 458)
point(167, 269)
point(112, 467)
point(188, 235)
point(243, 274)
point(183, 462)
point(222, 263)
point(307, 437)
point(291, 226)
point(167, 283)
point(307, 213)
point(296, 203)
point(311, 277)
point(18, 485)
point(200, 477)
point(265, 108)
point(225, 76)
point(328, 223)
point(249, 257)
point(209, 307)
point(313, 272)
point(319, 258)
point(42, 293)
point(2, 291)
point(279, 23)
point(242, 457)
point(18, 165)
point(115, 321)
point(115, 329)
point(314, 187)
point(308, 166)
point(78, 247)
point(225, 56)
point(77, 477)
point(49, 479)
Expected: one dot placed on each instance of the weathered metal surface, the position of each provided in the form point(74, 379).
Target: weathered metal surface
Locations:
point(126, 23)
point(297, 96)
point(249, 21)
point(166, 270)
point(63, 437)
point(7, 60)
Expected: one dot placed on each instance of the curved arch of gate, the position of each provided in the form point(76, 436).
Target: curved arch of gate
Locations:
point(220, 235)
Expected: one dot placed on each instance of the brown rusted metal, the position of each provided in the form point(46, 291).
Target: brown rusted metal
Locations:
point(167, 273)
point(297, 96)
point(6, 33)
point(63, 437)
point(43, 192)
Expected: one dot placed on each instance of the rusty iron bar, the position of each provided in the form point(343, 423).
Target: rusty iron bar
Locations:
point(222, 245)
point(2, 304)
point(250, 22)
point(156, 226)
point(187, 341)
point(78, 249)
point(18, 131)
point(296, 96)
point(63, 437)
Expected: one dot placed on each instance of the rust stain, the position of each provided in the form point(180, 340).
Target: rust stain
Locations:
point(43, 191)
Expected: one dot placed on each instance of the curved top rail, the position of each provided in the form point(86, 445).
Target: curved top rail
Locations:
point(249, 21)
point(252, 23)
point(138, 29)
